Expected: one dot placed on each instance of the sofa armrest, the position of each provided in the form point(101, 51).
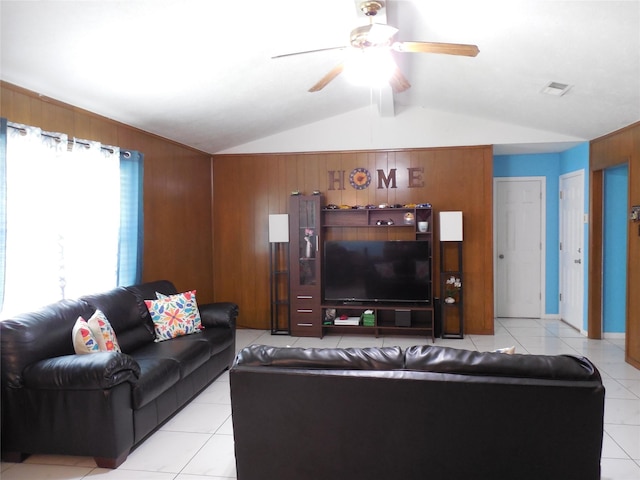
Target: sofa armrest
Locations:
point(82, 372)
point(219, 314)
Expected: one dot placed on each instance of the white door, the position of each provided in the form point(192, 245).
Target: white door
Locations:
point(519, 264)
point(572, 248)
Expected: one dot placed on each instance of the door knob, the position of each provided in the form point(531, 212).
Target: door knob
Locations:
point(501, 256)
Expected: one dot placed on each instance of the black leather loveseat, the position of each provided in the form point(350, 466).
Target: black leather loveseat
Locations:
point(430, 412)
point(102, 404)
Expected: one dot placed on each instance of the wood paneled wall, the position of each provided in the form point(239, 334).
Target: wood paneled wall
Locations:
point(621, 147)
point(215, 240)
point(177, 187)
point(247, 188)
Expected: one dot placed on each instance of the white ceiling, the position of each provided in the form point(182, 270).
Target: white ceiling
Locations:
point(200, 72)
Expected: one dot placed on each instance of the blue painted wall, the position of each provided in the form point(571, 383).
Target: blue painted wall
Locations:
point(550, 166)
point(614, 255)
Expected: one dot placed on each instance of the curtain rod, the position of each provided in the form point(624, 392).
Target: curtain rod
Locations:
point(70, 143)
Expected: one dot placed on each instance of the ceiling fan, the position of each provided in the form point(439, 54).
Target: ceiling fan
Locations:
point(378, 36)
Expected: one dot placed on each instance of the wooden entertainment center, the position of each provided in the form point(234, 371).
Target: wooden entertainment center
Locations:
point(311, 224)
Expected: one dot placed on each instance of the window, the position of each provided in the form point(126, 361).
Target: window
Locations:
point(70, 218)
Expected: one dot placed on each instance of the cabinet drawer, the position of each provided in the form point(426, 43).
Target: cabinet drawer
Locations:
point(304, 312)
point(305, 304)
point(305, 322)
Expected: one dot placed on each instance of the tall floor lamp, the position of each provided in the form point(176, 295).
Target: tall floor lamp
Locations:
point(279, 273)
point(451, 275)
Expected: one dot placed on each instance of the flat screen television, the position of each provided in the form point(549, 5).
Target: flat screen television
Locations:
point(373, 271)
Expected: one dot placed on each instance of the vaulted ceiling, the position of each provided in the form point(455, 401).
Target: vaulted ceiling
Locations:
point(201, 72)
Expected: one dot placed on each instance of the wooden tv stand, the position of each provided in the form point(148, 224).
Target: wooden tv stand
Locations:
point(311, 224)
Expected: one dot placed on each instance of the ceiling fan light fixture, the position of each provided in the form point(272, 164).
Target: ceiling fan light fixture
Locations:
point(370, 9)
point(555, 89)
point(369, 67)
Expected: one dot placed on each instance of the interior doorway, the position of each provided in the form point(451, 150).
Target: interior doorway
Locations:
point(519, 264)
point(572, 249)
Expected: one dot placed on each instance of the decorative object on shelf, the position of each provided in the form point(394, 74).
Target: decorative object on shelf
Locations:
point(385, 222)
point(329, 316)
point(295, 193)
point(308, 237)
point(368, 318)
point(423, 227)
point(409, 219)
point(346, 320)
point(452, 290)
point(316, 192)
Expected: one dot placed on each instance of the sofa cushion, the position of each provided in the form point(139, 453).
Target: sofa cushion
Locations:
point(374, 358)
point(84, 341)
point(121, 307)
point(157, 375)
point(433, 358)
point(217, 338)
point(189, 352)
point(147, 291)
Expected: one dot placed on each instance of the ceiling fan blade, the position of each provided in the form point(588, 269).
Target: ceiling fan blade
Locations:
point(433, 47)
point(398, 81)
point(333, 73)
point(309, 51)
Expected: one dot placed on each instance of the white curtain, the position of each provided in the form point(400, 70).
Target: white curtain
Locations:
point(62, 218)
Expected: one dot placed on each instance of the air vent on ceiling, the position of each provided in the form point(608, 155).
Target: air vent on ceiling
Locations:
point(555, 88)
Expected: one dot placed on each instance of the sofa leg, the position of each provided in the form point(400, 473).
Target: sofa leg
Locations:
point(14, 457)
point(103, 462)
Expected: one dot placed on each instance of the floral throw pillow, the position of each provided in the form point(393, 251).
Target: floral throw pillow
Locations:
point(103, 332)
point(83, 339)
point(197, 320)
point(175, 315)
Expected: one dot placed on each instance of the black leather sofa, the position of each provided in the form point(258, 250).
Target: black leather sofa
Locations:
point(103, 404)
point(430, 412)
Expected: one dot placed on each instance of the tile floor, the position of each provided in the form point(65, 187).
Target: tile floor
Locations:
point(197, 443)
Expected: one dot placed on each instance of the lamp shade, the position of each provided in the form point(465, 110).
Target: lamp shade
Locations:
point(450, 226)
point(278, 228)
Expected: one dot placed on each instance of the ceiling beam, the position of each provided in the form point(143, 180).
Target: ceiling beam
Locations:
point(385, 101)
point(383, 98)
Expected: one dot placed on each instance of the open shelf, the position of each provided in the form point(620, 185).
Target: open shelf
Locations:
point(413, 319)
point(369, 217)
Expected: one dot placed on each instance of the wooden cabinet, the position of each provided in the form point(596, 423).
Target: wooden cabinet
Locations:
point(309, 223)
point(305, 265)
point(398, 318)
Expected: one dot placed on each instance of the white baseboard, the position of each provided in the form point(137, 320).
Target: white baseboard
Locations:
point(614, 336)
